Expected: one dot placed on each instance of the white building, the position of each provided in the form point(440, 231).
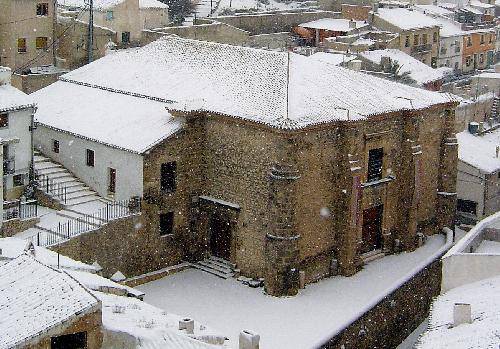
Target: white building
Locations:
point(101, 136)
point(478, 179)
point(126, 17)
point(16, 115)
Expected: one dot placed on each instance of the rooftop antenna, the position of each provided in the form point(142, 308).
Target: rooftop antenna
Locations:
point(90, 40)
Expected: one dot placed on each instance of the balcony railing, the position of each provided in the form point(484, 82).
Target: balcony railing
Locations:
point(421, 48)
point(9, 165)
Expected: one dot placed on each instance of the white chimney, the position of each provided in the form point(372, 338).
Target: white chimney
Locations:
point(352, 24)
point(187, 324)
point(249, 340)
point(354, 65)
point(5, 75)
point(461, 314)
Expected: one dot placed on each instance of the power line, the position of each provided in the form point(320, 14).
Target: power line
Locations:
point(20, 20)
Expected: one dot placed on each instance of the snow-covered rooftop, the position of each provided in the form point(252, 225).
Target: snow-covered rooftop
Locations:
point(119, 120)
point(34, 298)
point(479, 151)
point(483, 332)
point(419, 71)
point(237, 81)
point(335, 24)
point(144, 326)
point(103, 5)
point(12, 99)
point(332, 58)
point(406, 19)
point(12, 248)
point(449, 28)
point(434, 9)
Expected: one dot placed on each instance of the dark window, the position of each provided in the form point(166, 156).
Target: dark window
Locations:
point(467, 206)
point(407, 41)
point(42, 9)
point(166, 223)
point(375, 160)
point(55, 146)
point(90, 158)
point(4, 120)
point(69, 341)
point(41, 43)
point(424, 39)
point(415, 39)
point(434, 62)
point(435, 37)
point(18, 180)
point(21, 45)
point(167, 180)
point(126, 37)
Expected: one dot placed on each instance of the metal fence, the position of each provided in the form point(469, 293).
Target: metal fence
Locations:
point(20, 209)
point(88, 222)
point(56, 189)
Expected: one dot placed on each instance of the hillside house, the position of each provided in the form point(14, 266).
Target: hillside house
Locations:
point(317, 31)
point(16, 116)
point(262, 164)
point(418, 33)
point(478, 49)
point(478, 181)
point(125, 17)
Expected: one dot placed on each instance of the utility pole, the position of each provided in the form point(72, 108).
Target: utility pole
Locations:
point(90, 41)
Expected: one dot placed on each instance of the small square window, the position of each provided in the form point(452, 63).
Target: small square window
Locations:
point(4, 120)
point(18, 180)
point(109, 15)
point(166, 223)
point(42, 9)
point(21, 45)
point(90, 158)
point(41, 43)
point(55, 146)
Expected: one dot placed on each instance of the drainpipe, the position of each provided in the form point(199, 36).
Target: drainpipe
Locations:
point(32, 164)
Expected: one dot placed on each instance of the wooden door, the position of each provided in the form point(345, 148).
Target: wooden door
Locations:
point(372, 229)
point(112, 181)
point(220, 236)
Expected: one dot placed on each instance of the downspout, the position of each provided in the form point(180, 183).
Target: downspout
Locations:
point(32, 162)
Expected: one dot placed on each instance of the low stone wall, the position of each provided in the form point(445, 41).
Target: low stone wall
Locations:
point(387, 323)
point(14, 226)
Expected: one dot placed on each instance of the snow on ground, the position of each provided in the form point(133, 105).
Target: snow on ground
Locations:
point(482, 333)
point(488, 246)
point(295, 322)
point(139, 325)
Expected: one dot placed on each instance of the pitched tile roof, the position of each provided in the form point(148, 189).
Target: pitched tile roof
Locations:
point(34, 298)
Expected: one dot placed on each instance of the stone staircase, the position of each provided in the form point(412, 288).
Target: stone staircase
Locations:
point(372, 255)
point(495, 106)
point(60, 184)
point(216, 266)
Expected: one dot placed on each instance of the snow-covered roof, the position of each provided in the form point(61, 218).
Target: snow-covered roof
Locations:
point(488, 75)
point(419, 71)
point(334, 24)
point(13, 247)
point(131, 123)
point(479, 151)
point(434, 9)
point(477, 3)
point(13, 99)
point(103, 5)
point(98, 283)
point(331, 58)
point(237, 81)
point(483, 332)
point(35, 298)
point(449, 28)
point(149, 327)
point(406, 19)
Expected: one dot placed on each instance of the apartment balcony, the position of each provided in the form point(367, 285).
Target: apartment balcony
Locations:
point(421, 48)
point(9, 165)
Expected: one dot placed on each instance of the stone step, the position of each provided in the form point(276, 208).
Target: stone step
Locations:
point(221, 269)
point(223, 261)
point(372, 255)
point(219, 264)
point(49, 172)
point(79, 201)
point(80, 194)
point(212, 271)
point(80, 217)
point(46, 165)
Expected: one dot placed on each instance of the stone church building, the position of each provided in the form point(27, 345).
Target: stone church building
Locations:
point(281, 164)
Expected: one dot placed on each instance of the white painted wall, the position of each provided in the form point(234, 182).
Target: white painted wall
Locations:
point(470, 185)
point(449, 56)
point(17, 136)
point(72, 155)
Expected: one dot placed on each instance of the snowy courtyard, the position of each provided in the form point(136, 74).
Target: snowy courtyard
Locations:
point(298, 322)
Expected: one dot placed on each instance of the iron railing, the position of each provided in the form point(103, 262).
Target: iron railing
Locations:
point(20, 209)
point(55, 189)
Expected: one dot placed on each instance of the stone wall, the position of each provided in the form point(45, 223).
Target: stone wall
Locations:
point(16, 225)
point(124, 244)
point(90, 323)
point(29, 83)
point(273, 22)
point(395, 317)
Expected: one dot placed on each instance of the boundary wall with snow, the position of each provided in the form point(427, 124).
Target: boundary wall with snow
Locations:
point(462, 265)
point(396, 313)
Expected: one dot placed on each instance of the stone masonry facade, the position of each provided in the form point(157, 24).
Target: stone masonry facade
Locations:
point(299, 200)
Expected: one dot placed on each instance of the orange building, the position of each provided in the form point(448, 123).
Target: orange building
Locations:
point(479, 49)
